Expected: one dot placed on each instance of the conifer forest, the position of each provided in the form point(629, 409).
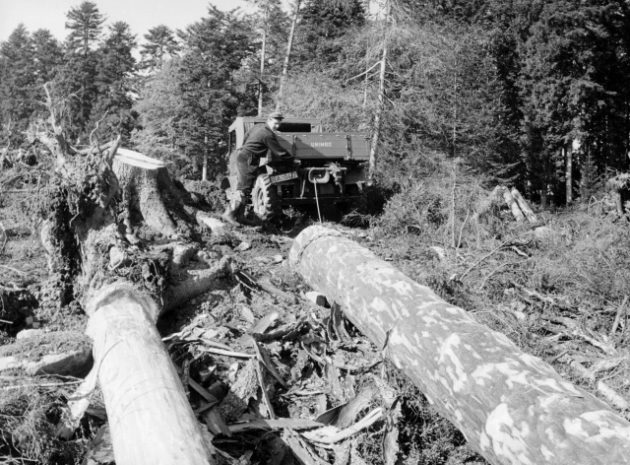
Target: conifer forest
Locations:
point(470, 305)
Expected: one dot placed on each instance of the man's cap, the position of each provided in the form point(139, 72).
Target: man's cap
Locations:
point(276, 115)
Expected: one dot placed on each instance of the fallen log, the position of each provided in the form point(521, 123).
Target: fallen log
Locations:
point(64, 353)
point(150, 419)
point(513, 408)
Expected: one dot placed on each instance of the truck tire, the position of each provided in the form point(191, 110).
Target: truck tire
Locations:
point(265, 201)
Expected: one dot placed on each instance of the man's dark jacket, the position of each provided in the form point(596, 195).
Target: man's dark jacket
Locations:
point(260, 139)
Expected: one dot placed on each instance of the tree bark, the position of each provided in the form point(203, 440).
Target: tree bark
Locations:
point(204, 166)
point(569, 175)
point(285, 66)
point(150, 419)
point(378, 117)
point(262, 59)
point(512, 407)
point(148, 190)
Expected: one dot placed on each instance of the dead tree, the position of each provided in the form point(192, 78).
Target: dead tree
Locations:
point(287, 56)
point(380, 110)
point(512, 407)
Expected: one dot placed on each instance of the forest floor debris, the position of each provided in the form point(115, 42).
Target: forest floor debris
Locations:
point(275, 372)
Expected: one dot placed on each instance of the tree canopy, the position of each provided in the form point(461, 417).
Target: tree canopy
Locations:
point(505, 86)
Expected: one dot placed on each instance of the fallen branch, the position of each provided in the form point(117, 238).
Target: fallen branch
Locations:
point(330, 434)
point(482, 259)
point(621, 311)
point(274, 424)
point(612, 396)
point(39, 385)
point(197, 282)
point(344, 415)
point(264, 360)
point(228, 353)
point(77, 406)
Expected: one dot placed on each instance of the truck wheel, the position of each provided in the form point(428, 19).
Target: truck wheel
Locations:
point(265, 201)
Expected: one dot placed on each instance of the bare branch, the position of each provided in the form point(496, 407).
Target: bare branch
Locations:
point(364, 72)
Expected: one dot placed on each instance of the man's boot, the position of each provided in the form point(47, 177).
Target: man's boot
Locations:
point(232, 213)
point(248, 220)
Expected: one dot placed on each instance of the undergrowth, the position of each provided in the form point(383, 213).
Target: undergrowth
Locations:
point(30, 415)
point(557, 288)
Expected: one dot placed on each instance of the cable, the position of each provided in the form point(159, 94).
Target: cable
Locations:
point(319, 213)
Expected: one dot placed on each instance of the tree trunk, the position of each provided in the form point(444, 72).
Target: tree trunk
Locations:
point(149, 196)
point(454, 138)
point(512, 407)
point(150, 419)
point(204, 166)
point(262, 60)
point(569, 175)
point(378, 117)
point(285, 66)
point(366, 80)
point(619, 203)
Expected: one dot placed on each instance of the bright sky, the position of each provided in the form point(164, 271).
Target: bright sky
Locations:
point(141, 15)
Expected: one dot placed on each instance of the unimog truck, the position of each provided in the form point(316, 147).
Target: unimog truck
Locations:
point(328, 169)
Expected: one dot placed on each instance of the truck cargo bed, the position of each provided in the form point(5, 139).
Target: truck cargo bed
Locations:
point(317, 146)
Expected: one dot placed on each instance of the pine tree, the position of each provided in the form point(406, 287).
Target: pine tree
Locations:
point(322, 23)
point(272, 25)
point(17, 84)
point(85, 23)
point(161, 109)
point(47, 55)
point(115, 72)
point(160, 44)
point(75, 82)
point(570, 84)
point(215, 49)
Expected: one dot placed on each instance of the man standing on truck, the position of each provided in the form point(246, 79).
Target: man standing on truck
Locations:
point(245, 161)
